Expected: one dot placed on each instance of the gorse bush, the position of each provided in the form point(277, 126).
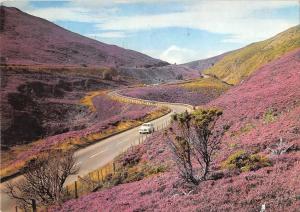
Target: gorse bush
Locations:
point(244, 161)
point(194, 139)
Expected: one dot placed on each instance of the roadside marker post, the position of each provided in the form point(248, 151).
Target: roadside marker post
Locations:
point(76, 193)
point(33, 205)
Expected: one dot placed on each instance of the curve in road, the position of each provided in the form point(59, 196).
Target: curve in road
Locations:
point(99, 154)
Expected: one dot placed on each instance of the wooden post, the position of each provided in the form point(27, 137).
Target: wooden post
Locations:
point(67, 190)
point(98, 176)
point(16, 208)
point(33, 205)
point(76, 192)
point(101, 175)
point(114, 167)
point(91, 178)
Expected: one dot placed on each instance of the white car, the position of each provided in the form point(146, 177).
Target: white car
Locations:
point(146, 128)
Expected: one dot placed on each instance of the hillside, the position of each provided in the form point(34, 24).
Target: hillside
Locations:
point(259, 112)
point(204, 63)
point(197, 92)
point(239, 64)
point(29, 40)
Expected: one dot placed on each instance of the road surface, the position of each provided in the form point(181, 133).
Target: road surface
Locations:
point(99, 154)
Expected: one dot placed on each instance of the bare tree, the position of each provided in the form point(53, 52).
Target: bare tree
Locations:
point(43, 180)
point(193, 141)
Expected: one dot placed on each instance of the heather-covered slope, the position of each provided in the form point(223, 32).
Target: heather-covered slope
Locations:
point(30, 40)
point(197, 92)
point(239, 64)
point(261, 111)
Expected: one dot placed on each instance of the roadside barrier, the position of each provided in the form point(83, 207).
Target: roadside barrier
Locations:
point(115, 95)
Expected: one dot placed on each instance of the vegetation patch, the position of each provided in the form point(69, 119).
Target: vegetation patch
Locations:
point(244, 129)
point(270, 116)
point(129, 167)
point(88, 99)
point(244, 161)
point(209, 83)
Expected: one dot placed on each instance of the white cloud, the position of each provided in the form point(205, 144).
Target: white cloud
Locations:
point(21, 4)
point(111, 34)
point(65, 14)
point(179, 55)
point(175, 54)
point(237, 19)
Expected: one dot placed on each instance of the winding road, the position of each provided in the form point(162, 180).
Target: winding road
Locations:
point(99, 154)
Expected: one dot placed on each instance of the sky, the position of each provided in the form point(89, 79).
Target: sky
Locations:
point(176, 31)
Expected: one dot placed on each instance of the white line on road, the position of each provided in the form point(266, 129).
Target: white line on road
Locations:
point(79, 162)
point(97, 154)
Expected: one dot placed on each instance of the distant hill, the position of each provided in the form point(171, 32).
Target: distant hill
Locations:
point(239, 64)
point(29, 40)
point(205, 63)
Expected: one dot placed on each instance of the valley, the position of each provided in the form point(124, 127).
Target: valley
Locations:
point(62, 92)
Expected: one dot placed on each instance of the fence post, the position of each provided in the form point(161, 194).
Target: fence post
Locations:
point(76, 192)
point(67, 190)
point(101, 175)
point(16, 208)
point(33, 205)
point(91, 177)
point(98, 176)
point(114, 167)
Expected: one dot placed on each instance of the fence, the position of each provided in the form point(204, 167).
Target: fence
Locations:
point(93, 180)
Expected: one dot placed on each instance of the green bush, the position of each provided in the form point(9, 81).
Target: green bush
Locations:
point(244, 161)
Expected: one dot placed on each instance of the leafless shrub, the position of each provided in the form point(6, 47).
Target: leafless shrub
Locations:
point(194, 139)
point(280, 148)
point(43, 180)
